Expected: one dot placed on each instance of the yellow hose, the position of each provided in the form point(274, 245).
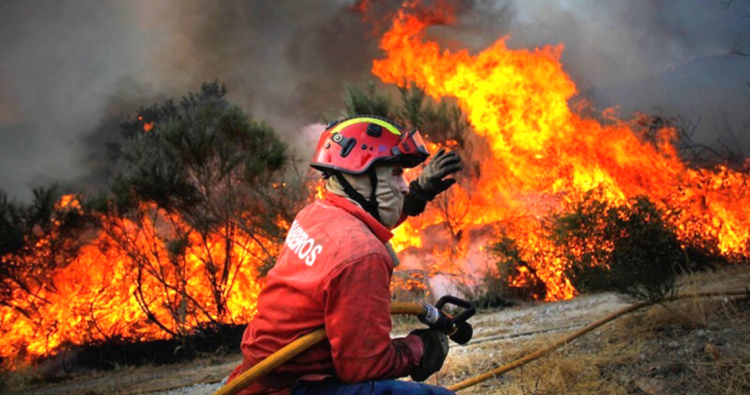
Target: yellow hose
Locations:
point(305, 342)
point(544, 351)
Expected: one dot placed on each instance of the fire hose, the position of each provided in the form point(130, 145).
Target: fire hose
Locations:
point(425, 312)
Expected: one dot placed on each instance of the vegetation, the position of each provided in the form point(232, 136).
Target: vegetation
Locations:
point(35, 239)
point(498, 286)
point(210, 173)
point(626, 248)
point(198, 208)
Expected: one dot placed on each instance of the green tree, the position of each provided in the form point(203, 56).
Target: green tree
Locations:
point(201, 169)
point(627, 248)
point(440, 121)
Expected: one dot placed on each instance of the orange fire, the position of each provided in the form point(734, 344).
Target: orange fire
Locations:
point(69, 202)
point(543, 155)
point(147, 126)
point(128, 283)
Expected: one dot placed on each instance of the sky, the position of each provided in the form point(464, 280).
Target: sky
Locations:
point(71, 71)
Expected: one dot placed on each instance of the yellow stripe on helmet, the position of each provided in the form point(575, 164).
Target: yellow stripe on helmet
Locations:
point(376, 121)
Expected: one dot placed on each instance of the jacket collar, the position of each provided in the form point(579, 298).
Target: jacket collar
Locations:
point(380, 231)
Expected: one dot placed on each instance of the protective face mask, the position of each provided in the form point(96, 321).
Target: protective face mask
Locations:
point(388, 193)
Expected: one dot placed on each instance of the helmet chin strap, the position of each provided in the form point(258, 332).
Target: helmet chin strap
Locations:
point(371, 206)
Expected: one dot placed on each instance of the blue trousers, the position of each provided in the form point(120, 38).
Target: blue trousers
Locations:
point(381, 387)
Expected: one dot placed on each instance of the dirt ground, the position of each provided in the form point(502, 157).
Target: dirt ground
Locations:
point(691, 347)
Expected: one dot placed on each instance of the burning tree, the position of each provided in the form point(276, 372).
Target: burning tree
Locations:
point(200, 205)
point(202, 179)
point(35, 240)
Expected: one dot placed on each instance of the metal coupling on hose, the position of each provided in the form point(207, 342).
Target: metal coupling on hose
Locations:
point(456, 327)
point(430, 316)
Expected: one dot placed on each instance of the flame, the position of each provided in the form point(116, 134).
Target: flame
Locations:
point(69, 202)
point(147, 126)
point(320, 190)
point(115, 278)
point(543, 155)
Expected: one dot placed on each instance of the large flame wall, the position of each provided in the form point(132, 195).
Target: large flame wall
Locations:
point(544, 155)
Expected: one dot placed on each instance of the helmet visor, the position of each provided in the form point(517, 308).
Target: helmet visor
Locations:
point(412, 149)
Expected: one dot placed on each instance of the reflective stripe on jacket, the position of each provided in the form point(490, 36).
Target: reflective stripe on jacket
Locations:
point(333, 271)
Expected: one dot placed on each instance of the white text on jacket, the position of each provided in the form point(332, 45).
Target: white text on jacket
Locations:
point(298, 241)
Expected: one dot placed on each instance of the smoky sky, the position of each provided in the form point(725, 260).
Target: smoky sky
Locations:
point(674, 58)
point(71, 71)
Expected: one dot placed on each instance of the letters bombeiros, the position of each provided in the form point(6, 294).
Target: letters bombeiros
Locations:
point(303, 245)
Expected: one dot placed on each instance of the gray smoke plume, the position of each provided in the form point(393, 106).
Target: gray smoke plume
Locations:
point(666, 57)
point(71, 71)
point(61, 60)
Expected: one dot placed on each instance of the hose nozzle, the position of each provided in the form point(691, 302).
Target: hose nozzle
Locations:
point(456, 327)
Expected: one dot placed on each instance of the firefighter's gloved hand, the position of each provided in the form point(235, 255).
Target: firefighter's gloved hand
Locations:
point(432, 181)
point(413, 204)
point(435, 351)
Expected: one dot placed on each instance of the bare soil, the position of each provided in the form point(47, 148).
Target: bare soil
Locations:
point(689, 347)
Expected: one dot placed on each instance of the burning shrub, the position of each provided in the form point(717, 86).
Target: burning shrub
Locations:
point(410, 286)
point(490, 291)
point(515, 278)
point(36, 239)
point(203, 198)
point(200, 175)
point(627, 247)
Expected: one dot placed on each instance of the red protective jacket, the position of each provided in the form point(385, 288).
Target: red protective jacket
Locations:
point(333, 271)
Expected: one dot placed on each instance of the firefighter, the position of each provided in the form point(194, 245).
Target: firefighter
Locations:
point(335, 269)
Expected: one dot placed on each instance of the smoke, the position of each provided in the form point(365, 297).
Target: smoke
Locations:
point(671, 58)
point(73, 70)
point(61, 60)
point(674, 58)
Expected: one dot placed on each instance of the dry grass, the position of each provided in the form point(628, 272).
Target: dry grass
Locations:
point(571, 370)
point(695, 346)
point(721, 377)
point(18, 379)
point(129, 380)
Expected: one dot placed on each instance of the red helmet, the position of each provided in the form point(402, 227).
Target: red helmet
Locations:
point(354, 144)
